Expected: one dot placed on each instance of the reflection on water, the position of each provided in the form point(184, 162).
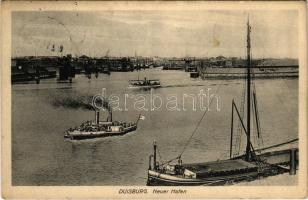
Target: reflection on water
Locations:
point(41, 156)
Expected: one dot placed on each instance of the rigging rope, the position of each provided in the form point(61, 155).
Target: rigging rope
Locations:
point(256, 115)
point(277, 145)
point(160, 157)
point(199, 122)
point(239, 126)
point(196, 128)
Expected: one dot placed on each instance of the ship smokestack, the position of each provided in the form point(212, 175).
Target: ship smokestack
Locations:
point(97, 117)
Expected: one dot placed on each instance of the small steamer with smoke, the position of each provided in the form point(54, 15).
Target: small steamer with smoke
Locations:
point(97, 128)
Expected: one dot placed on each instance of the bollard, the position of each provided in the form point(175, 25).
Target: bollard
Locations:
point(292, 162)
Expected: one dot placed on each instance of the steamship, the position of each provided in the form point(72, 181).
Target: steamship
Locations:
point(252, 164)
point(98, 129)
point(144, 83)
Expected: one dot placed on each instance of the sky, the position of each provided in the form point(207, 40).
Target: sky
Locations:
point(198, 33)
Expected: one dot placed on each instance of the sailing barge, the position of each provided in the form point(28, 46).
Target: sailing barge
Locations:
point(245, 167)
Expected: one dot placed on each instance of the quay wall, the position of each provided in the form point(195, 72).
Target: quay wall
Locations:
point(257, 72)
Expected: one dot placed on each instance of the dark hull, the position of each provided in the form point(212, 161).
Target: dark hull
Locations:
point(272, 167)
point(106, 134)
point(144, 86)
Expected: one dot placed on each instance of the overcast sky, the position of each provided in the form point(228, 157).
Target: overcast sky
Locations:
point(156, 33)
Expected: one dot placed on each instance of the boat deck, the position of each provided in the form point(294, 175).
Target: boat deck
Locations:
point(220, 166)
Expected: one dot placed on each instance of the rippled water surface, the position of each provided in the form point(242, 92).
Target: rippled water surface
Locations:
point(40, 155)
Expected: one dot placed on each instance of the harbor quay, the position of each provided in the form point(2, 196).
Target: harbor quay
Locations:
point(65, 67)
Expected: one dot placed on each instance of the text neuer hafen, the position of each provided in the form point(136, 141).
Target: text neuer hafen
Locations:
point(203, 101)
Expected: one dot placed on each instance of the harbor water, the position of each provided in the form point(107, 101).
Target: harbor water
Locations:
point(42, 112)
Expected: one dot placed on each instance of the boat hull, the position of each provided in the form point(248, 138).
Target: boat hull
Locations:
point(161, 179)
point(144, 87)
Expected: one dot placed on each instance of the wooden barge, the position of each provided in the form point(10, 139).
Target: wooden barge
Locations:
point(247, 167)
point(223, 171)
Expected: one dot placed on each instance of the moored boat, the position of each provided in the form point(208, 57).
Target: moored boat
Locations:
point(207, 173)
point(248, 166)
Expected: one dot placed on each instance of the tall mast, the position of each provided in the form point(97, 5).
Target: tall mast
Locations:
point(248, 149)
